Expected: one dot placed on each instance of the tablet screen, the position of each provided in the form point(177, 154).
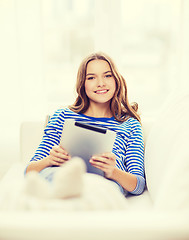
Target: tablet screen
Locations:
point(84, 140)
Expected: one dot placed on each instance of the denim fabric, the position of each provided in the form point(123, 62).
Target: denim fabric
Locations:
point(48, 173)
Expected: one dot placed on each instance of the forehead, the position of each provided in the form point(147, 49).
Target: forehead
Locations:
point(96, 66)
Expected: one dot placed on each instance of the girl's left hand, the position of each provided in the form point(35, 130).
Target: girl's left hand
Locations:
point(106, 162)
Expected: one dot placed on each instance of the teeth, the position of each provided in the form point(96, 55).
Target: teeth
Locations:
point(101, 91)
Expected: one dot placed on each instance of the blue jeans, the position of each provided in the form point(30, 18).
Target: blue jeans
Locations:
point(48, 174)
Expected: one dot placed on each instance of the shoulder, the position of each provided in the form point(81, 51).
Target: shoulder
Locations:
point(133, 127)
point(134, 123)
point(58, 114)
point(62, 113)
point(65, 113)
point(57, 120)
point(131, 123)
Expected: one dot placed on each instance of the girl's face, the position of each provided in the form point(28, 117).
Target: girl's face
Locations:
point(100, 84)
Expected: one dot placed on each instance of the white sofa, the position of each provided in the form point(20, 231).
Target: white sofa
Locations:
point(161, 212)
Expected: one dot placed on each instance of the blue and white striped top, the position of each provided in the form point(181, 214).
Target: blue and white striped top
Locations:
point(128, 146)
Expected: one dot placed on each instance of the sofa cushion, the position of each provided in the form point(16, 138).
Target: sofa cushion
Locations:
point(167, 154)
point(31, 134)
point(174, 193)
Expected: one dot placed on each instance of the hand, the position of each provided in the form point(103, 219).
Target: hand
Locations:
point(58, 155)
point(106, 162)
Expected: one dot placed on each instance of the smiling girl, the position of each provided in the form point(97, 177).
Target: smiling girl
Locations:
point(101, 100)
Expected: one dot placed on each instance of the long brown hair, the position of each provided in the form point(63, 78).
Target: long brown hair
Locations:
point(119, 105)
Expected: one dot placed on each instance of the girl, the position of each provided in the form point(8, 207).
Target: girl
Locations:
point(102, 100)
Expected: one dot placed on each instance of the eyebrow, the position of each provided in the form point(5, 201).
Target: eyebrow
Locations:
point(95, 74)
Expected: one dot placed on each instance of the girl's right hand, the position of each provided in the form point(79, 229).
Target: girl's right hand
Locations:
point(58, 155)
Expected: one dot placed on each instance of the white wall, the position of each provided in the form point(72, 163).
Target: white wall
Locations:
point(183, 81)
point(21, 74)
point(26, 68)
point(10, 93)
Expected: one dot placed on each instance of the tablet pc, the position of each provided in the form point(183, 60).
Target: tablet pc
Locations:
point(84, 140)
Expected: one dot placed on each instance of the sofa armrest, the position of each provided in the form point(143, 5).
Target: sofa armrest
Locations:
point(30, 137)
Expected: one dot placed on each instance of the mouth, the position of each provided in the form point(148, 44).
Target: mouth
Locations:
point(103, 91)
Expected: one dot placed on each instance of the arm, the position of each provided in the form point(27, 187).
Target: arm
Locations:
point(49, 152)
point(132, 179)
point(57, 157)
point(127, 180)
point(37, 165)
point(107, 163)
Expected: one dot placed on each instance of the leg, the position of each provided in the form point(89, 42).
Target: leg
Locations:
point(68, 180)
point(36, 186)
point(40, 184)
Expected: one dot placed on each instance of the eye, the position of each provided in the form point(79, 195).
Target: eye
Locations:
point(108, 76)
point(90, 78)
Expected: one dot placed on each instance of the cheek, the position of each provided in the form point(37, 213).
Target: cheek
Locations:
point(88, 86)
point(113, 86)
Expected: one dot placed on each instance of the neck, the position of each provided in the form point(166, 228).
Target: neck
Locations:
point(100, 111)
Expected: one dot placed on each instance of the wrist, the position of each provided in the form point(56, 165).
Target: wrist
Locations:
point(38, 165)
point(45, 162)
point(113, 174)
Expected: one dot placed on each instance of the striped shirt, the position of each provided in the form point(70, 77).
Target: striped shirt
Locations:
point(128, 146)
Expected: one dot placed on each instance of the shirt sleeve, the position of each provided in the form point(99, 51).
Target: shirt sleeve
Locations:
point(135, 156)
point(51, 136)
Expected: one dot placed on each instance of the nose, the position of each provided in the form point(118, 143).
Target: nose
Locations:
point(100, 82)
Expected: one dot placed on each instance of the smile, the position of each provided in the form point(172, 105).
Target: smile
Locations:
point(101, 91)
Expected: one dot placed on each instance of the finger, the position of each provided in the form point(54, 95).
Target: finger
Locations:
point(58, 160)
point(100, 165)
point(99, 159)
point(53, 163)
point(61, 154)
point(63, 150)
point(59, 149)
point(55, 148)
point(103, 159)
point(53, 152)
point(109, 155)
point(59, 157)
